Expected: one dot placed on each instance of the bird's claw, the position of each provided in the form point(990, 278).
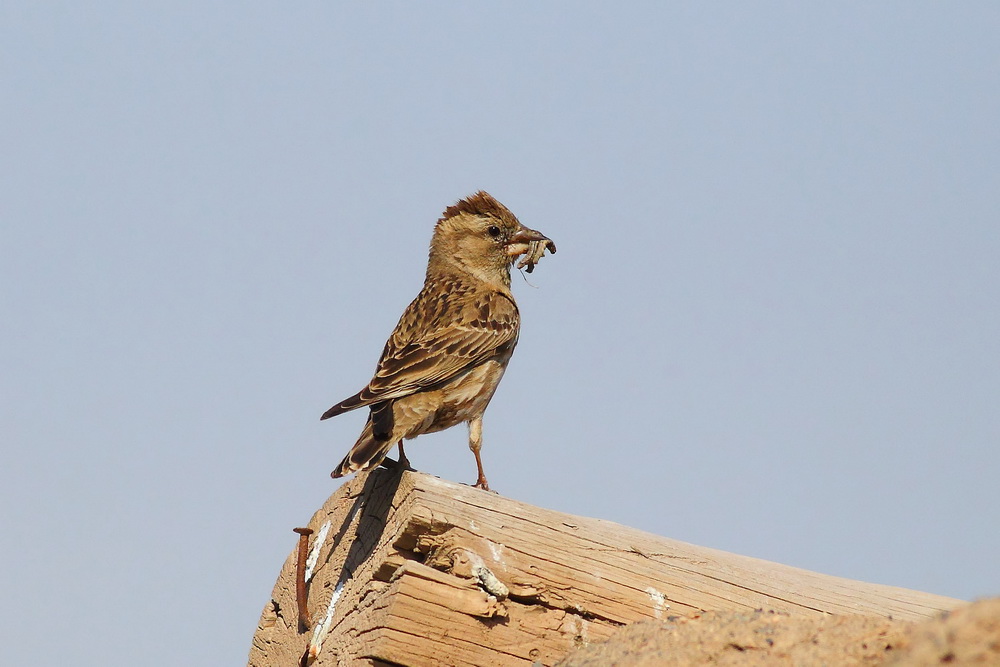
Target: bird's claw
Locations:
point(481, 483)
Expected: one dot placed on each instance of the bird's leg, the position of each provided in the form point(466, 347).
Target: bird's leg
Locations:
point(475, 444)
point(403, 461)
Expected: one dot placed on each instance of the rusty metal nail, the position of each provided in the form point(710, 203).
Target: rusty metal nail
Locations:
point(300, 576)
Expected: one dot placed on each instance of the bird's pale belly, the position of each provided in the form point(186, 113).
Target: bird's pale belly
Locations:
point(459, 401)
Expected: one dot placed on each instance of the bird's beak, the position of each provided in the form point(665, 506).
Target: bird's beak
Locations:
point(518, 243)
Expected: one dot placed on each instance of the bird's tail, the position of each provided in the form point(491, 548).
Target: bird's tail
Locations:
point(345, 405)
point(366, 453)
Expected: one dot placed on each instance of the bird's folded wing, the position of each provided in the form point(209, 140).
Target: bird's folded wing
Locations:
point(430, 347)
point(442, 353)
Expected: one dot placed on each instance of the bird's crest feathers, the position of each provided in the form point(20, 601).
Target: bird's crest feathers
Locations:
point(480, 203)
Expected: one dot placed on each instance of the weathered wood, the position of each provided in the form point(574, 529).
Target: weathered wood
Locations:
point(413, 570)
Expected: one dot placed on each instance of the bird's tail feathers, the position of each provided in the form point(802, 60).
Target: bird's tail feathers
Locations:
point(366, 453)
point(345, 405)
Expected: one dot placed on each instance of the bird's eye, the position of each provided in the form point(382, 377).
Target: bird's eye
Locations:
point(494, 231)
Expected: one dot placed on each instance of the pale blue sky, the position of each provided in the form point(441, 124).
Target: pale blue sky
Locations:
point(772, 326)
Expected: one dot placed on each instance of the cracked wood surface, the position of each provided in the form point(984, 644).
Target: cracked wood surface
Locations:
point(414, 570)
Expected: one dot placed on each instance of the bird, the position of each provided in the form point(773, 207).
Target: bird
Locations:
point(446, 356)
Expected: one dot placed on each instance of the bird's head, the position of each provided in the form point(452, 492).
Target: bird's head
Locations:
point(479, 235)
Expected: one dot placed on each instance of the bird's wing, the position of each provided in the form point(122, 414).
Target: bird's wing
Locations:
point(436, 340)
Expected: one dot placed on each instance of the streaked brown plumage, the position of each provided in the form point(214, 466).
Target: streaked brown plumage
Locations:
point(443, 362)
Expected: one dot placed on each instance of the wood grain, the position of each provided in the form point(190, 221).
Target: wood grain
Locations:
point(418, 571)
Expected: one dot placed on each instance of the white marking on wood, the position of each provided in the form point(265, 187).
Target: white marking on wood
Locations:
point(659, 601)
point(489, 582)
point(319, 634)
point(314, 552)
point(323, 629)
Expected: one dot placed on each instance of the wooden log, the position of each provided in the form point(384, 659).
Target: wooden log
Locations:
point(407, 569)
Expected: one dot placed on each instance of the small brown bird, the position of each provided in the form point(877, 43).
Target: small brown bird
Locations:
point(444, 360)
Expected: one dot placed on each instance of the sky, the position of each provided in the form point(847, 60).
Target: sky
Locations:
point(771, 327)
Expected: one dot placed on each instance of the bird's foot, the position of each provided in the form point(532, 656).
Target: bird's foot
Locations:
point(481, 483)
point(393, 464)
point(403, 461)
